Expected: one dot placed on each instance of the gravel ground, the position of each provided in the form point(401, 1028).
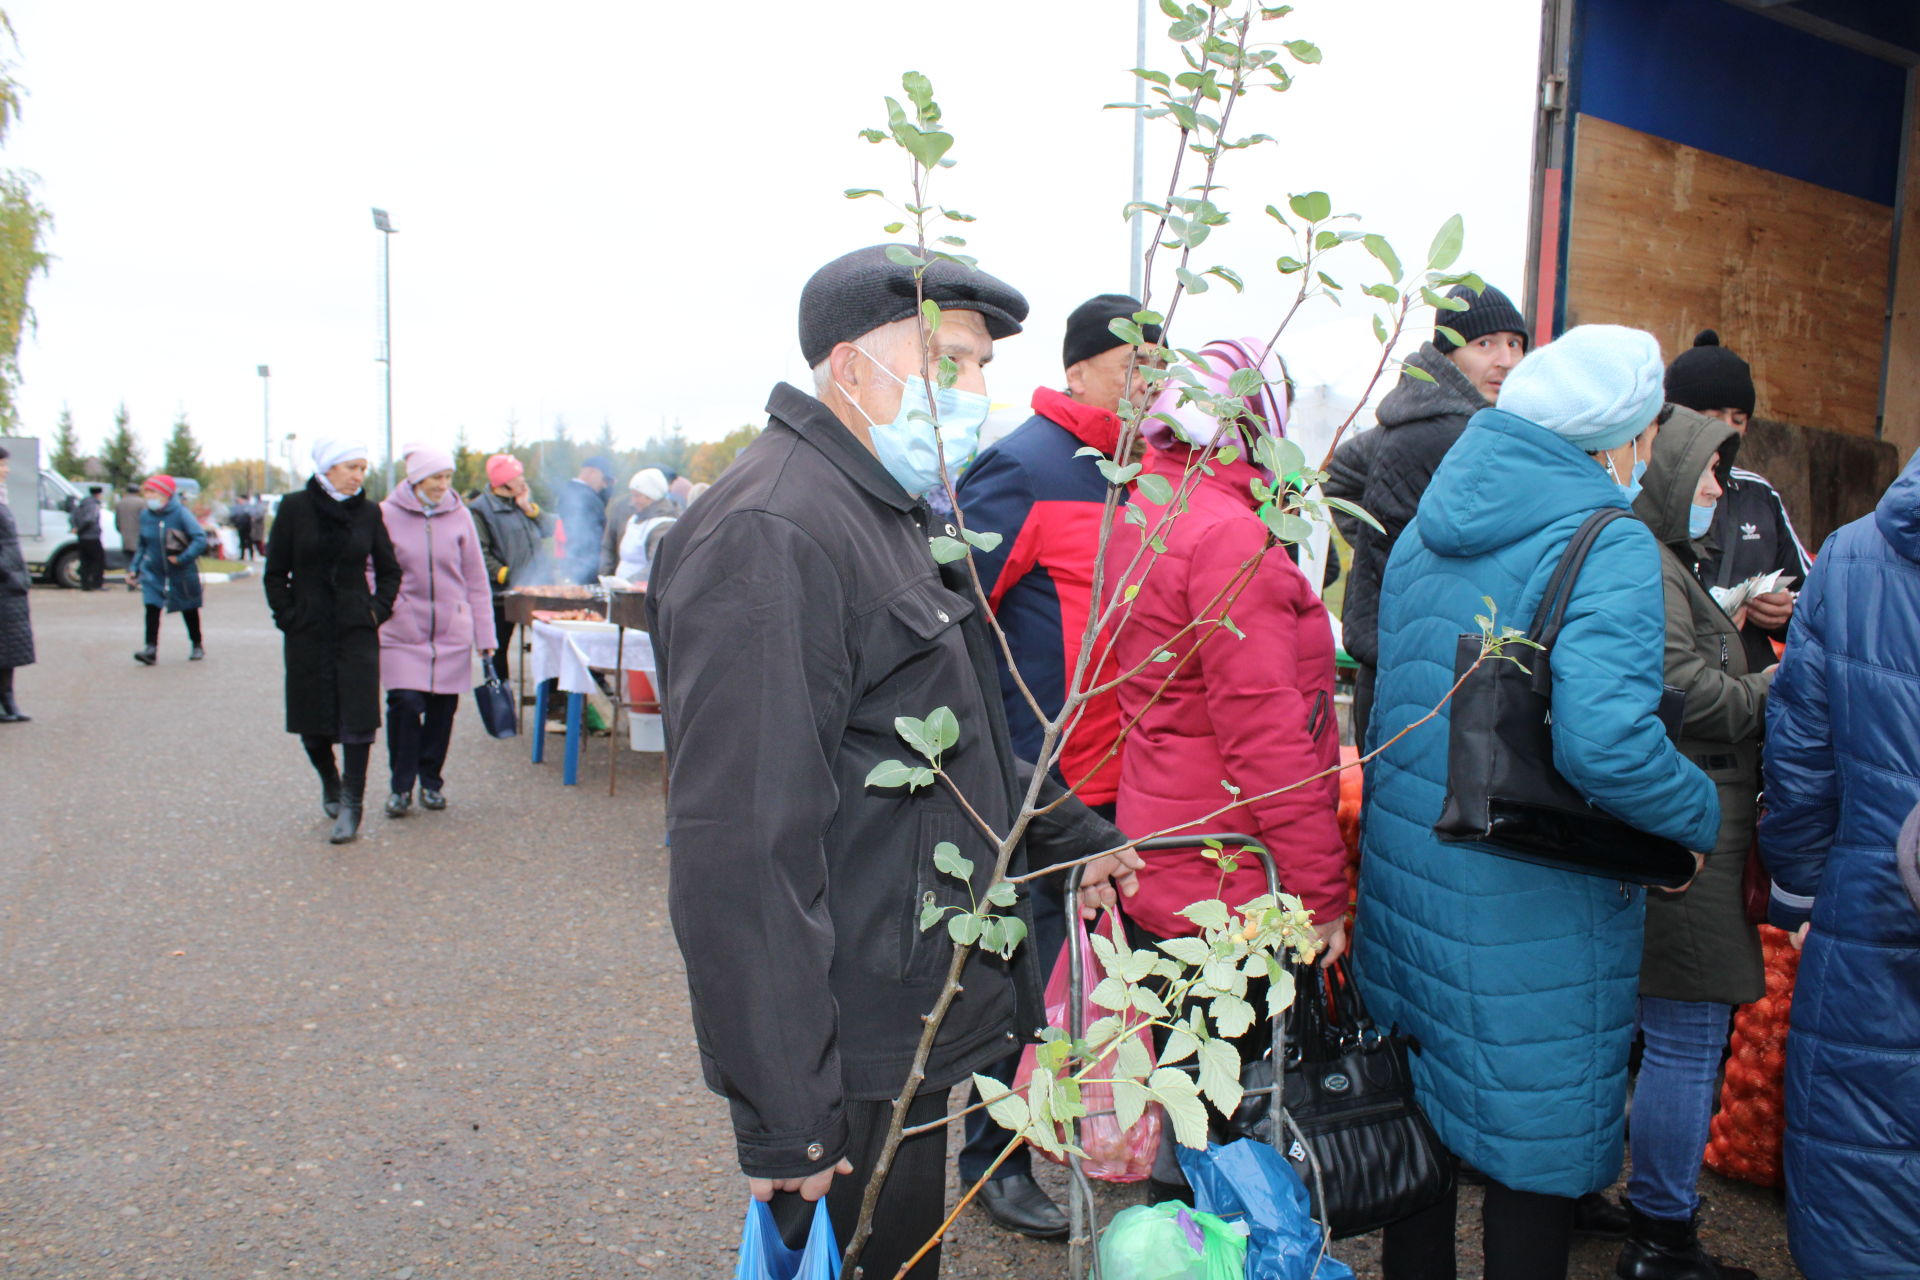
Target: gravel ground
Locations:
point(459, 1047)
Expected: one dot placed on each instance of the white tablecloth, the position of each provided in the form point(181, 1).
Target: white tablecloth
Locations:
point(571, 652)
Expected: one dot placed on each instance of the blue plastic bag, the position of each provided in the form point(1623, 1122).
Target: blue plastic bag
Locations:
point(1248, 1181)
point(765, 1256)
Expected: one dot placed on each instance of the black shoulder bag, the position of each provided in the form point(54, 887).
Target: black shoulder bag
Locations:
point(1503, 793)
point(1349, 1092)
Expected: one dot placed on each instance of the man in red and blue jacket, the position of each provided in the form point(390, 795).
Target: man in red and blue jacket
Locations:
point(1048, 504)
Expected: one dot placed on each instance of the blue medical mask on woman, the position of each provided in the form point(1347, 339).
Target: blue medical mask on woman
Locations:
point(156, 504)
point(1700, 519)
point(1632, 486)
point(906, 446)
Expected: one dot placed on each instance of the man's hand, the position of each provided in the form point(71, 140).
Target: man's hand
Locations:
point(1699, 865)
point(1771, 611)
point(1799, 938)
point(1333, 941)
point(811, 1187)
point(1119, 870)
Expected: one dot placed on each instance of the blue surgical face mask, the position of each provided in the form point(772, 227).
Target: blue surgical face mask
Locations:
point(1699, 520)
point(1632, 486)
point(156, 504)
point(906, 446)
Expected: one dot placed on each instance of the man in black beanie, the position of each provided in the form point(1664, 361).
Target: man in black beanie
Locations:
point(1419, 420)
point(1751, 535)
point(1049, 505)
point(797, 613)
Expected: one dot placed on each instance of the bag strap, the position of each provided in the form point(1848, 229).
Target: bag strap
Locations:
point(1552, 613)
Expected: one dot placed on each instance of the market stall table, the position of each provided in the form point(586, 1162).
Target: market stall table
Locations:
point(522, 606)
point(565, 654)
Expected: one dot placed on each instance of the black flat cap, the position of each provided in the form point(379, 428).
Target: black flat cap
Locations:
point(860, 291)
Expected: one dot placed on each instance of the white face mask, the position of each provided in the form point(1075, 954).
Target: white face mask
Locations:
point(156, 504)
point(906, 446)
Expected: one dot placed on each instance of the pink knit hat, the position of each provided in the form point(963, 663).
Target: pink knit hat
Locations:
point(502, 468)
point(425, 460)
point(164, 484)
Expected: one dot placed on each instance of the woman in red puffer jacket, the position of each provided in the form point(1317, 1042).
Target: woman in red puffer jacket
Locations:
point(1252, 710)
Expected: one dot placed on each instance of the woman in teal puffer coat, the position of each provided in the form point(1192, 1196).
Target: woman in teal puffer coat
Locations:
point(1519, 981)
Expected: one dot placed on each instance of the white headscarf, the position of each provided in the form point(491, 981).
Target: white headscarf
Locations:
point(649, 482)
point(328, 454)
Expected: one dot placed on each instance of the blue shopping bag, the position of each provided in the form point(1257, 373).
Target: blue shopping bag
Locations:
point(765, 1256)
point(1248, 1181)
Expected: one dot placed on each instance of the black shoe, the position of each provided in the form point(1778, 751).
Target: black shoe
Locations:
point(1662, 1249)
point(346, 827)
point(145, 657)
point(399, 804)
point(197, 654)
point(10, 712)
point(1017, 1203)
point(431, 799)
point(1596, 1216)
point(330, 796)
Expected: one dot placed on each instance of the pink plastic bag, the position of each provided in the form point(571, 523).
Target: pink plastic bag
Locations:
point(1113, 1154)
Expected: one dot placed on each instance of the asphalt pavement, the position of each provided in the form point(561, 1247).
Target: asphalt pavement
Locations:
point(456, 1048)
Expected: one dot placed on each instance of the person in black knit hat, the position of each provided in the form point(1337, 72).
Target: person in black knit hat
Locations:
point(1418, 422)
point(1751, 534)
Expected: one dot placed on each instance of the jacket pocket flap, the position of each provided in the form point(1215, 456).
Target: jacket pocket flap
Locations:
point(927, 609)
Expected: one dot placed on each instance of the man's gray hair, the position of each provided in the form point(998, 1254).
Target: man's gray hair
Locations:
point(878, 343)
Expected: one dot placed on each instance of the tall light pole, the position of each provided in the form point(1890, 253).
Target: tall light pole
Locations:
point(1138, 220)
point(266, 436)
point(384, 225)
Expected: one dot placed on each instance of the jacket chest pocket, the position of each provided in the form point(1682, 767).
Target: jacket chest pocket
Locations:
point(919, 627)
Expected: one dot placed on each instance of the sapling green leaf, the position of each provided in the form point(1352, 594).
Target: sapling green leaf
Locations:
point(1446, 244)
point(1415, 372)
point(1008, 1109)
point(1112, 993)
point(945, 549)
point(1155, 489)
point(889, 773)
point(943, 728)
point(1450, 334)
point(964, 928)
point(1220, 1074)
point(1377, 246)
point(1305, 51)
point(1314, 206)
point(1130, 1099)
point(900, 255)
point(1210, 913)
point(984, 541)
point(1180, 1097)
point(949, 860)
point(1355, 510)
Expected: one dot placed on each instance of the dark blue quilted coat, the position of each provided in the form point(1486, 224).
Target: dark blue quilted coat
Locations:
point(1519, 981)
point(1842, 774)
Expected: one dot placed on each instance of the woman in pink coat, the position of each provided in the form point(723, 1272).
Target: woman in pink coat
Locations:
point(1250, 706)
point(444, 614)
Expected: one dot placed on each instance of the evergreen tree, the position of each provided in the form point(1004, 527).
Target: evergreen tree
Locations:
point(65, 459)
point(121, 457)
point(183, 461)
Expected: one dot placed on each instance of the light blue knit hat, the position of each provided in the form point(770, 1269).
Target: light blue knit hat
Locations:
point(1597, 386)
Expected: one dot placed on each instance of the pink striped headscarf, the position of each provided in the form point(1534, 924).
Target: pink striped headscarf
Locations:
point(1193, 425)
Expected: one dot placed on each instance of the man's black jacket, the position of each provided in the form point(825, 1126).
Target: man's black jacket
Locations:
point(796, 612)
point(1751, 535)
point(1419, 421)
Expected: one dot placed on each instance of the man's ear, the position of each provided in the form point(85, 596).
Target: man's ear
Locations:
point(847, 365)
point(1077, 378)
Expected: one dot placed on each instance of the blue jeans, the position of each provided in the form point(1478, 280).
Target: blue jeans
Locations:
point(1673, 1103)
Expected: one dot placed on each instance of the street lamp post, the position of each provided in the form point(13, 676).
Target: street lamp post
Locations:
point(384, 225)
point(266, 436)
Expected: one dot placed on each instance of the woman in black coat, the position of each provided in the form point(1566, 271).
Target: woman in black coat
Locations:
point(323, 540)
point(16, 625)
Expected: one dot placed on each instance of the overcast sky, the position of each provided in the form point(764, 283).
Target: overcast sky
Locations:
point(606, 211)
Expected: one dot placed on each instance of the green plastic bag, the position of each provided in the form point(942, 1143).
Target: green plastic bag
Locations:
point(1172, 1242)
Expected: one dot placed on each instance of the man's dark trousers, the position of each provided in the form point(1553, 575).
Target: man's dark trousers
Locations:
point(913, 1203)
point(93, 564)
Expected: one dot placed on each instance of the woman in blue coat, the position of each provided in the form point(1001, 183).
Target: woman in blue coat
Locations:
point(1519, 981)
point(166, 564)
point(1842, 773)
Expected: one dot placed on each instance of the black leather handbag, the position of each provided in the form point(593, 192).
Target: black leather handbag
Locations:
point(494, 701)
point(1349, 1092)
point(1503, 793)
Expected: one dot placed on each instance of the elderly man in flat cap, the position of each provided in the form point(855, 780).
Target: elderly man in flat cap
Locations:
point(796, 612)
